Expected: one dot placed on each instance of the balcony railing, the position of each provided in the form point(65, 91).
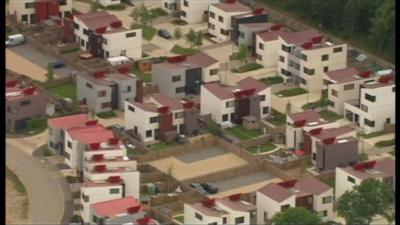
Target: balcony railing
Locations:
point(355, 102)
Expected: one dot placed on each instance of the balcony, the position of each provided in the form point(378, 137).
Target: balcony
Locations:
point(355, 103)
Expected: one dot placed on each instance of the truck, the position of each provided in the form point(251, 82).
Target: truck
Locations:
point(14, 40)
point(119, 60)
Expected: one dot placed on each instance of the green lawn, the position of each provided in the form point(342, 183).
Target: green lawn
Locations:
point(117, 7)
point(374, 134)
point(20, 188)
point(273, 80)
point(322, 102)
point(64, 90)
point(35, 126)
point(146, 77)
point(363, 157)
point(177, 49)
point(133, 152)
point(329, 181)
point(382, 144)
point(278, 119)
point(292, 92)
point(180, 218)
point(264, 148)
point(242, 133)
point(107, 115)
point(248, 67)
point(148, 32)
point(160, 146)
point(157, 12)
point(329, 115)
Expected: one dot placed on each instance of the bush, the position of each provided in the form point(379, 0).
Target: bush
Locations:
point(248, 67)
point(214, 129)
point(179, 22)
point(106, 115)
point(75, 219)
point(273, 80)
point(382, 144)
point(363, 157)
point(47, 152)
point(118, 7)
point(156, 12)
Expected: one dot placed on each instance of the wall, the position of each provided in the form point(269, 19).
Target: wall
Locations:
point(342, 184)
point(195, 10)
point(162, 77)
point(319, 206)
point(117, 42)
point(266, 204)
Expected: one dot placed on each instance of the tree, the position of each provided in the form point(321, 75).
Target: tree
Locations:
point(296, 216)
point(37, 123)
point(191, 37)
point(383, 24)
point(142, 14)
point(198, 41)
point(288, 107)
point(50, 73)
point(352, 13)
point(243, 53)
point(135, 14)
point(178, 33)
point(372, 197)
point(94, 6)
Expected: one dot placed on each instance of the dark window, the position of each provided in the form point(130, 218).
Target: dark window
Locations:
point(331, 103)
point(166, 5)
point(285, 72)
point(30, 5)
point(261, 46)
point(308, 71)
point(291, 63)
point(212, 15)
point(107, 54)
point(242, 35)
point(314, 156)
point(105, 105)
point(224, 32)
point(224, 220)
point(262, 98)
point(131, 34)
point(394, 89)
point(303, 81)
point(186, 3)
point(85, 198)
point(285, 207)
point(179, 115)
point(214, 72)
point(101, 93)
point(211, 26)
point(370, 98)
point(76, 26)
point(220, 19)
point(239, 220)
point(67, 13)
point(334, 93)
point(63, 2)
point(327, 199)
point(297, 66)
point(148, 133)
point(128, 89)
point(303, 57)
point(66, 155)
point(94, 218)
point(183, 13)
point(33, 18)
point(282, 59)
point(198, 216)
point(176, 78)
point(86, 32)
point(214, 223)
point(337, 49)
point(325, 57)
point(348, 87)
point(225, 117)
point(229, 104)
point(114, 191)
point(326, 69)
point(69, 144)
point(265, 110)
point(26, 102)
point(89, 85)
point(369, 123)
point(154, 119)
point(286, 48)
point(351, 180)
point(24, 18)
point(83, 43)
point(180, 90)
point(323, 213)
point(259, 57)
point(131, 108)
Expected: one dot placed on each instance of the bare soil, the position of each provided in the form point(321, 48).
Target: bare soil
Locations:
point(15, 204)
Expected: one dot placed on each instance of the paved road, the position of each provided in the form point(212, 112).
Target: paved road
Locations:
point(47, 189)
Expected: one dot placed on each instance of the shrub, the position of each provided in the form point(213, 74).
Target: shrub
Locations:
point(108, 114)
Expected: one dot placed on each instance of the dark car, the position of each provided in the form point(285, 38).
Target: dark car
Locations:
point(198, 187)
point(164, 33)
point(210, 188)
point(57, 64)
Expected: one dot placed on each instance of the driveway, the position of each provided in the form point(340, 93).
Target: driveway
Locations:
point(48, 192)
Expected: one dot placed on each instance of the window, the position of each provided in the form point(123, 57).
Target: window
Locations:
point(281, 58)
point(286, 48)
point(114, 191)
point(94, 218)
point(297, 66)
point(107, 54)
point(262, 98)
point(83, 43)
point(326, 69)
point(26, 102)
point(370, 98)
point(364, 108)
point(230, 104)
point(89, 85)
point(323, 213)
point(285, 207)
point(63, 2)
point(69, 144)
point(76, 26)
point(325, 57)
point(314, 156)
point(285, 72)
point(211, 26)
point(24, 18)
point(166, 5)
point(128, 89)
point(67, 13)
point(67, 155)
point(225, 117)
point(30, 5)
point(291, 63)
point(239, 220)
point(176, 78)
point(334, 93)
point(198, 216)
point(258, 56)
point(131, 34)
point(183, 13)
point(331, 103)
point(242, 35)
point(303, 57)
point(220, 19)
point(394, 89)
point(224, 32)
point(154, 119)
point(179, 115)
point(86, 32)
point(180, 90)
point(265, 110)
point(327, 199)
point(85, 198)
point(224, 220)
point(303, 81)
point(351, 180)
point(104, 41)
point(308, 71)
point(212, 15)
point(261, 46)
point(105, 105)
point(149, 133)
point(369, 123)
point(337, 49)
point(348, 87)
point(131, 108)
point(214, 72)
point(214, 223)
point(186, 3)
point(101, 93)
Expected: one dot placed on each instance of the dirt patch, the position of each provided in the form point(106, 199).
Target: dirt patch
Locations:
point(16, 201)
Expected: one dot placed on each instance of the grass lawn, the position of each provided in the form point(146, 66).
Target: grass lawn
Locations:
point(133, 152)
point(177, 49)
point(47, 152)
point(146, 77)
point(67, 90)
point(160, 146)
point(278, 119)
point(247, 67)
point(179, 22)
point(273, 80)
point(382, 144)
point(329, 115)
point(180, 218)
point(20, 188)
point(117, 7)
point(374, 134)
point(157, 12)
point(292, 92)
point(148, 32)
point(107, 115)
point(243, 134)
point(264, 148)
point(34, 126)
point(329, 181)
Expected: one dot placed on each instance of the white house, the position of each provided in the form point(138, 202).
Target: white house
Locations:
point(307, 192)
point(249, 97)
point(195, 11)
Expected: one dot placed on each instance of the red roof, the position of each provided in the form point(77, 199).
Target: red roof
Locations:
point(97, 20)
point(334, 132)
point(217, 90)
point(165, 100)
point(297, 38)
point(232, 7)
point(276, 192)
point(250, 82)
point(67, 122)
point(93, 134)
point(201, 59)
point(13, 93)
point(114, 207)
point(342, 74)
point(309, 115)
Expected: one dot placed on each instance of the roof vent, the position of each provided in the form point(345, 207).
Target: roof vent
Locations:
point(329, 43)
point(372, 172)
point(312, 124)
point(342, 141)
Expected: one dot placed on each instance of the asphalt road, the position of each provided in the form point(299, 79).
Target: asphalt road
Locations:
point(46, 188)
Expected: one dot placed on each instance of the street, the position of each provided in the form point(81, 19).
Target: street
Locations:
point(47, 189)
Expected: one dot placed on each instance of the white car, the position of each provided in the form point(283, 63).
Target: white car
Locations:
point(16, 39)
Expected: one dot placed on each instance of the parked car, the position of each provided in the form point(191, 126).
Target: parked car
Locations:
point(198, 187)
point(164, 34)
point(210, 188)
point(57, 64)
point(14, 40)
point(85, 56)
point(118, 127)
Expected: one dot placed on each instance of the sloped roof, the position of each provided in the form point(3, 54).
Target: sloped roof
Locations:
point(92, 134)
point(250, 82)
point(297, 38)
point(66, 122)
point(98, 19)
point(309, 115)
point(275, 192)
point(165, 100)
point(201, 59)
point(114, 207)
point(218, 91)
point(334, 132)
point(232, 7)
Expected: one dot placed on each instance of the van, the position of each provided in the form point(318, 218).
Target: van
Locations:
point(119, 60)
point(16, 39)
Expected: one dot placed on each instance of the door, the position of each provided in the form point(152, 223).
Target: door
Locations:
point(193, 81)
point(388, 120)
point(242, 108)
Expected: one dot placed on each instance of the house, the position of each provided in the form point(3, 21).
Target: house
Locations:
point(348, 177)
point(104, 92)
point(103, 36)
point(228, 210)
point(230, 104)
point(301, 57)
point(160, 117)
point(194, 11)
point(220, 19)
point(57, 127)
point(108, 173)
point(248, 31)
point(106, 3)
point(374, 106)
point(119, 211)
point(343, 85)
point(331, 147)
point(35, 11)
point(307, 192)
point(171, 6)
point(22, 105)
point(256, 16)
point(183, 75)
point(299, 123)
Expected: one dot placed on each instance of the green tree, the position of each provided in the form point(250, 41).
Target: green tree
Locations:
point(191, 37)
point(38, 123)
point(352, 13)
point(383, 24)
point(371, 198)
point(135, 14)
point(296, 216)
point(50, 73)
point(178, 33)
point(94, 6)
point(243, 53)
point(198, 41)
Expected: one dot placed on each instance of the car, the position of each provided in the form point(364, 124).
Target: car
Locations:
point(118, 127)
point(198, 187)
point(85, 56)
point(14, 40)
point(164, 33)
point(210, 188)
point(57, 64)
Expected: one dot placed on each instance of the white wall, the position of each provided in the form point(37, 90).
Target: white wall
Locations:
point(266, 204)
point(319, 206)
point(233, 214)
point(140, 119)
point(190, 218)
point(106, 3)
point(195, 10)
point(211, 104)
point(270, 53)
point(267, 102)
point(206, 77)
point(118, 44)
point(132, 183)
